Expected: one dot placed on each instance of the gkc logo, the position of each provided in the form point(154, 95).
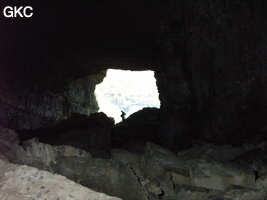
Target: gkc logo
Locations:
point(21, 11)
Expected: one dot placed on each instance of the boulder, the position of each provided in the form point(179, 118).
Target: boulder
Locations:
point(129, 160)
point(20, 182)
point(141, 126)
point(196, 172)
point(158, 183)
point(38, 153)
point(95, 140)
point(10, 150)
point(261, 183)
point(211, 152)
point(219, 176)
point(196, 193)
point(235, 192)
point(102, 175)
point(203, 172)
point(162, 159)
point(256, 159)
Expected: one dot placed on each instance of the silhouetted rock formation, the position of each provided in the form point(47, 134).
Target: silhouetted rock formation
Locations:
point(136, 130)
point(209, 59)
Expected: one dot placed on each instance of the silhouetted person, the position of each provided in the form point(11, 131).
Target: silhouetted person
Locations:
point(123, 115)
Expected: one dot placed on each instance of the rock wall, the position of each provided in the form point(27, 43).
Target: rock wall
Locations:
point(46, 60)
point(211, 74)
point(29, 106)
point(210, 63)
point(20, 182)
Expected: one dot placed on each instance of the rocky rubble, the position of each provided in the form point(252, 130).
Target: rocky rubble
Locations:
point(203, 172)
point(20, 182)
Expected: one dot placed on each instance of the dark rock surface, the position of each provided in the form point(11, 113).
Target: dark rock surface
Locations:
point(211, 71)
point(136, 130)
point(156, 174)
point(101, 175)
point(97, 141)
point(21, 182)
point(209, 60)
point(90, 133)
point(52, 61)
point(10, 150)
point(24, 106)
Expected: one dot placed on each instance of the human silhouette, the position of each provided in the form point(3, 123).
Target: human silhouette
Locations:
point(123, 115)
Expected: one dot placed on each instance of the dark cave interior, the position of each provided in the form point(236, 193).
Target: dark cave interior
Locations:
point(209, 59)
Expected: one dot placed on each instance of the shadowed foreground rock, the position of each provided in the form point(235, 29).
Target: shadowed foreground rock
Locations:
point(235, 192)
point(9, 146)
point(201, 173)
point(25, 183)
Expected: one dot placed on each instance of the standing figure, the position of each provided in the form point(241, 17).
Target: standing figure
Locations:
point(123, 115)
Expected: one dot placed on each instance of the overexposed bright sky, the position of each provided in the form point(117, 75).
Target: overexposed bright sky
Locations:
point(134, 89)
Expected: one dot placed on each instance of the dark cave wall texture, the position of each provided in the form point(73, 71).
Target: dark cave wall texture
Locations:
point(26, 106)
point(209, 59)
point(212, 68)
point(50, 63)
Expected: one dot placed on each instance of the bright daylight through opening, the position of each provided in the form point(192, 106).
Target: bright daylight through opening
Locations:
point(127, 91)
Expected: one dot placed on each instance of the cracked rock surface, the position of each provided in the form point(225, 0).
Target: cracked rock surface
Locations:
point(157, 174)
point(21, 182)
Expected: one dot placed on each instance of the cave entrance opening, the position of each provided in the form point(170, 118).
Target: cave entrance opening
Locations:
point(127, 91)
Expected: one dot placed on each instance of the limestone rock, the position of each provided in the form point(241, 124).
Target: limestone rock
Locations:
point(211, 152)
point(91, 134)
point(95, 140)
point(256, 159)
point(196, 193)
point(241, 193)
point(45, 153)
point(219, 176)
point(27, 183)
point(203, 88)
point(32, 106)
point(160, 158)
point(158, 183)
point(140, 126)
point(181, 179)
point(81, 93)
point(2, 157)
point(153, 188)
point(130, 160)
point(9, 146)
point(261, 183)
point(102, 175)
point(109, 176)
point(199, 173)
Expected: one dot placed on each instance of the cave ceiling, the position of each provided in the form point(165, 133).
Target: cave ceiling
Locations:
point(66, 41)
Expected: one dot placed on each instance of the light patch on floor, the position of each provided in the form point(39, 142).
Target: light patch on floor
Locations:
point(128, 91)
